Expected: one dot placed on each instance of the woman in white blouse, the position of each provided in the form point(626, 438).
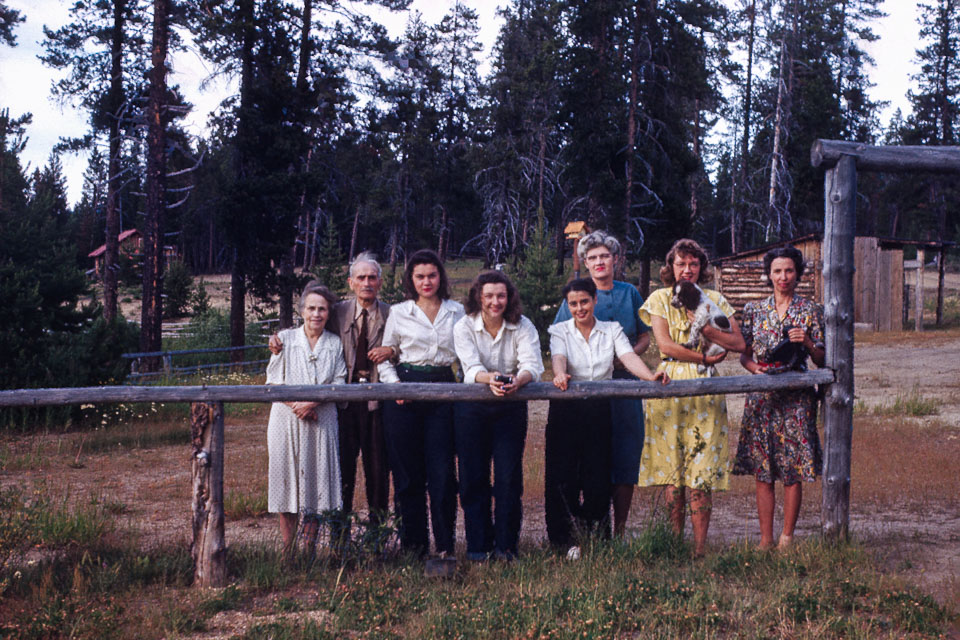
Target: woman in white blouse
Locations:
point(304, 463)
point(498, 347)
point(419, 435)
point(577, 459)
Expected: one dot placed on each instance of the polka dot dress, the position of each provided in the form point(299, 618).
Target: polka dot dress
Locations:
point(304, 468)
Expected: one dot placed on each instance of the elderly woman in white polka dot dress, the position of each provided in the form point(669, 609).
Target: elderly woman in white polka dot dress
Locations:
point(304, 468)
point(686, 438)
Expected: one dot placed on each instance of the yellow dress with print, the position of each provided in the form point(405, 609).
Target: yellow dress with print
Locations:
point(686, 438)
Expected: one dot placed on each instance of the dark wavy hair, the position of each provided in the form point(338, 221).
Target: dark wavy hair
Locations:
point(425, 256)
point(782, 252)
point(472, 303)
point(686, 247)
point(585, 285)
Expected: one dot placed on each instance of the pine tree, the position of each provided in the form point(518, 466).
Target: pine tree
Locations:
point(9, 18)
point(105, 55)
point(537, 280)
point(520, 163)
point(157, 117)
point(330, 268)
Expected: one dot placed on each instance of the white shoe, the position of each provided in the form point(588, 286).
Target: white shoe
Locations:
point(573, 553)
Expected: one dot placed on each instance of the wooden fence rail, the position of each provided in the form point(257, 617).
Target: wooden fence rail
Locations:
point(411, 391)
point(208, 548)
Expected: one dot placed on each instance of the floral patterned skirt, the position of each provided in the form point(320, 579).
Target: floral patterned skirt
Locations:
point(778, 437)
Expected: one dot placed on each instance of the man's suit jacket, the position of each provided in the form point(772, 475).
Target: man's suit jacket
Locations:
point(344, 313)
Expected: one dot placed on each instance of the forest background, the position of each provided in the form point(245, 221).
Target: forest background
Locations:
point(340, 138)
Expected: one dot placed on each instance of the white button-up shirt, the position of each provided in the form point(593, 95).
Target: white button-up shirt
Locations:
point(418, 340)
point(515, 348)
point(591, 360)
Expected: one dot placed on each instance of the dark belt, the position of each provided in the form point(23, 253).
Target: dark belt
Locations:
point(424, 373)
point(423, 368)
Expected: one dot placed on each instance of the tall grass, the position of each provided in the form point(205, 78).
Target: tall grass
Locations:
point(909, 404)
point(644, 587)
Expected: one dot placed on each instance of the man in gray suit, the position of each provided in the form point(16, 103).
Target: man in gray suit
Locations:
point(359, 322)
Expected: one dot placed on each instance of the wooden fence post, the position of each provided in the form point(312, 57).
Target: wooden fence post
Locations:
point(208, 549)
point(918, 294)
point(840, 191)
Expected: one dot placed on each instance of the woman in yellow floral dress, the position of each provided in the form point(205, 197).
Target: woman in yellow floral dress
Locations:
point(686, 438)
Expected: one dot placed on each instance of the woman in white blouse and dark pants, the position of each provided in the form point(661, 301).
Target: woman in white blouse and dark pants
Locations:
point(501, 348)
point(577, 459)
point(419, 435)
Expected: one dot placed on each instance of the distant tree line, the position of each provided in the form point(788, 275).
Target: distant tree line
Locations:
point(653, 119)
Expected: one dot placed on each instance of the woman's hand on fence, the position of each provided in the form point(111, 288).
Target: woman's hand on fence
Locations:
point(379, 354)
point(560, 381)
point(275, 345)
point(662, 377)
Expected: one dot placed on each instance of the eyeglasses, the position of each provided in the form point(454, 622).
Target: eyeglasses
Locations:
point(598, 256)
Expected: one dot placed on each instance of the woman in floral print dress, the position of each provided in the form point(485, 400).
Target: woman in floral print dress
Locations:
point(778, 436)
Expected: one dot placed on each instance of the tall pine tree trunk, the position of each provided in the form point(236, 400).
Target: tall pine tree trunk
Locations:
point(287, 276)
point(695, 177)
point(736, 220)
point(632, 114)
point(775, 217)
point(115, 98)
point(151, 315)
point(238, 285)
point(353, 234)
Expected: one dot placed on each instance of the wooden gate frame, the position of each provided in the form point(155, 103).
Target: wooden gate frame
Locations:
point(841, 161)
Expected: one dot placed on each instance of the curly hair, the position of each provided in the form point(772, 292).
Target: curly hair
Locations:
point(473, 303)
point(689, 248)
point(596, 239)
point(317, 287)
point(782, 252)
point(425, 256)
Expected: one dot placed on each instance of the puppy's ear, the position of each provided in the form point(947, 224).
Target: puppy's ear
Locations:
point(689, 294)
point(722, 322)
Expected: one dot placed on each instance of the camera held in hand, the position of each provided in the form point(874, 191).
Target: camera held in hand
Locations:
point(503, 379)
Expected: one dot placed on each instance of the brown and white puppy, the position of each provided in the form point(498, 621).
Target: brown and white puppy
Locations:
point(687, 295)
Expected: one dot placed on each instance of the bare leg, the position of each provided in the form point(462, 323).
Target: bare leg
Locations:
point(701, 504)
point(765, 503)
point(311, 529)
point(677, 507)
point(622, 498)
point(792, 497)
point(288, 530)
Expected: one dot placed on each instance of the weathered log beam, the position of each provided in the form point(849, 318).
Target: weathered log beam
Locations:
point(209, 548)
point(412, 391)
point(826, 153)
point(840, 194)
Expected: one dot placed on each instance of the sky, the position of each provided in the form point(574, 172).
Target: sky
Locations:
point(25, 82)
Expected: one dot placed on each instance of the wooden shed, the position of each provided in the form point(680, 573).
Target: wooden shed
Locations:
point(129, 243)
point(878, 280)
point(740, 278)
